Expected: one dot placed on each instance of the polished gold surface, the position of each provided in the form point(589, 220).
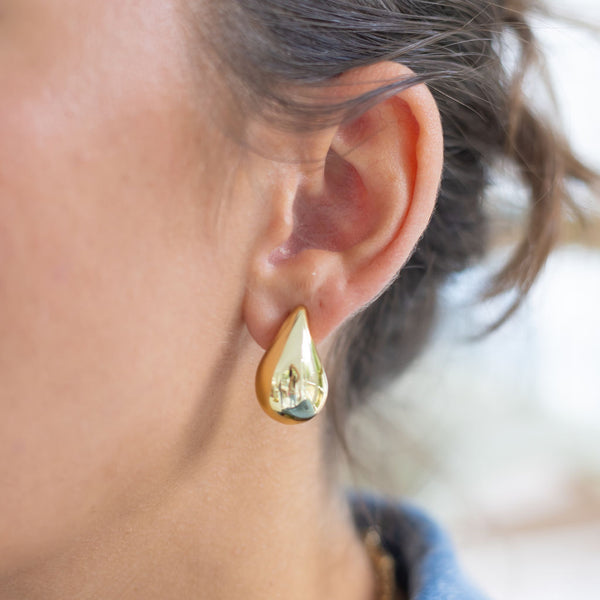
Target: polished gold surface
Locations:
point(291, 384)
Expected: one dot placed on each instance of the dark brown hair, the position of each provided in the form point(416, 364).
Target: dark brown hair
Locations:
point(474, 56)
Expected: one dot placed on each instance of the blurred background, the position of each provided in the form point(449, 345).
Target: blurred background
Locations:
point(500, 439)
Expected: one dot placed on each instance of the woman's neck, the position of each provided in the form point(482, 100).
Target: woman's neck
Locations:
point(248, 515)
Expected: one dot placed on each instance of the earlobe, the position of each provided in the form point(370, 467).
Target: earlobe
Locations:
point(354, 219)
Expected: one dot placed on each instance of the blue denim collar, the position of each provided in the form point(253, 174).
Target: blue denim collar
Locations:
point(426, 566)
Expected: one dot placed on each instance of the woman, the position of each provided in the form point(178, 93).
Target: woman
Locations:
point(176, 179)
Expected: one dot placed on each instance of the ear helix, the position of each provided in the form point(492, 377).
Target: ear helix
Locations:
point(291, 385)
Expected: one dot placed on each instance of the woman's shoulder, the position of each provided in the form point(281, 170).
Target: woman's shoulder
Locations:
point(425, 562)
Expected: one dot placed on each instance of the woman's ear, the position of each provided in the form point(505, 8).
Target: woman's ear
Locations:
point(346, 216)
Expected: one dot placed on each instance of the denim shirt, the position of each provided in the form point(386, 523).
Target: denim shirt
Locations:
point(426, 567)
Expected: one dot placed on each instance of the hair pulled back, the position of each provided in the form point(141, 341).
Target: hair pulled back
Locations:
point(461, 50)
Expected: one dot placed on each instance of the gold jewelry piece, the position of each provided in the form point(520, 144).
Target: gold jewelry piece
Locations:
point(291, 384)
point(383, 564)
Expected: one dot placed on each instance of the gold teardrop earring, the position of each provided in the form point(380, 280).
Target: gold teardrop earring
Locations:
point(291, 384)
